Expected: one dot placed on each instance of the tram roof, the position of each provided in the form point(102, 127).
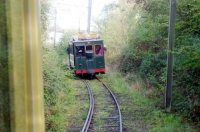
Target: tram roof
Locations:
point(88, 40)
point(85, 38)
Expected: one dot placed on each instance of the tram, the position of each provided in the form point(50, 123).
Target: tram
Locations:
point(86, 54)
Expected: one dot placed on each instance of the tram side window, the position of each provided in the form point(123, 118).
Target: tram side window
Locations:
point(98, 50)
point(80, 51)
point(71, 49)
point(88, 48)
point(68, 50)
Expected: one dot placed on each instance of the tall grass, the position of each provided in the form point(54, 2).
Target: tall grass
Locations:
point(135, 104)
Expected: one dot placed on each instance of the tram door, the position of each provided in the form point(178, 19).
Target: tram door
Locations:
point(90, 63)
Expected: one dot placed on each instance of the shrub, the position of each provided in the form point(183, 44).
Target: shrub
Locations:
point(54, 85)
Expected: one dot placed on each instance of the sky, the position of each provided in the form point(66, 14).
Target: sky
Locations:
point(73, 13)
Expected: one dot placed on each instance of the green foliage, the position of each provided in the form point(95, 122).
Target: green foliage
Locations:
point(51, 76)
point(45, 7)
point(144, 53)
point(141, 35)
point(187, 54)
point(55, 90)
point(136, 106)
point(113, 26)
point(66, 37)
point(167, 123)
point(188, 17)
point(61, 48)
point(188, 57)
point(153, 69)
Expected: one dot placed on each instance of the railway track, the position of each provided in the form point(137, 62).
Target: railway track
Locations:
point(91, 109)
point(104, 114)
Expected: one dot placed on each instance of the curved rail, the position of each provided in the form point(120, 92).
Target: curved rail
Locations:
point(117, 105)
point(90, 111)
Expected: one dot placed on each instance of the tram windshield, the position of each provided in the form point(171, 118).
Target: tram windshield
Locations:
point(80, 51)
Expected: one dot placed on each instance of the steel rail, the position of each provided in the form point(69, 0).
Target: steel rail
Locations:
point(117, 105)
point(90, 111)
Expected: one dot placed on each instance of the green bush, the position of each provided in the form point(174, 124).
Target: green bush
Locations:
point(145, 53)
point(153, 68)
point(187, 78)
point(145, 46)
point(54, 86)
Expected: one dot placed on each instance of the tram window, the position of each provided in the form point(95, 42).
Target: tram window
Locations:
point(71, 49)
point(98, 50)
point(88, 47)
point(80, 51)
